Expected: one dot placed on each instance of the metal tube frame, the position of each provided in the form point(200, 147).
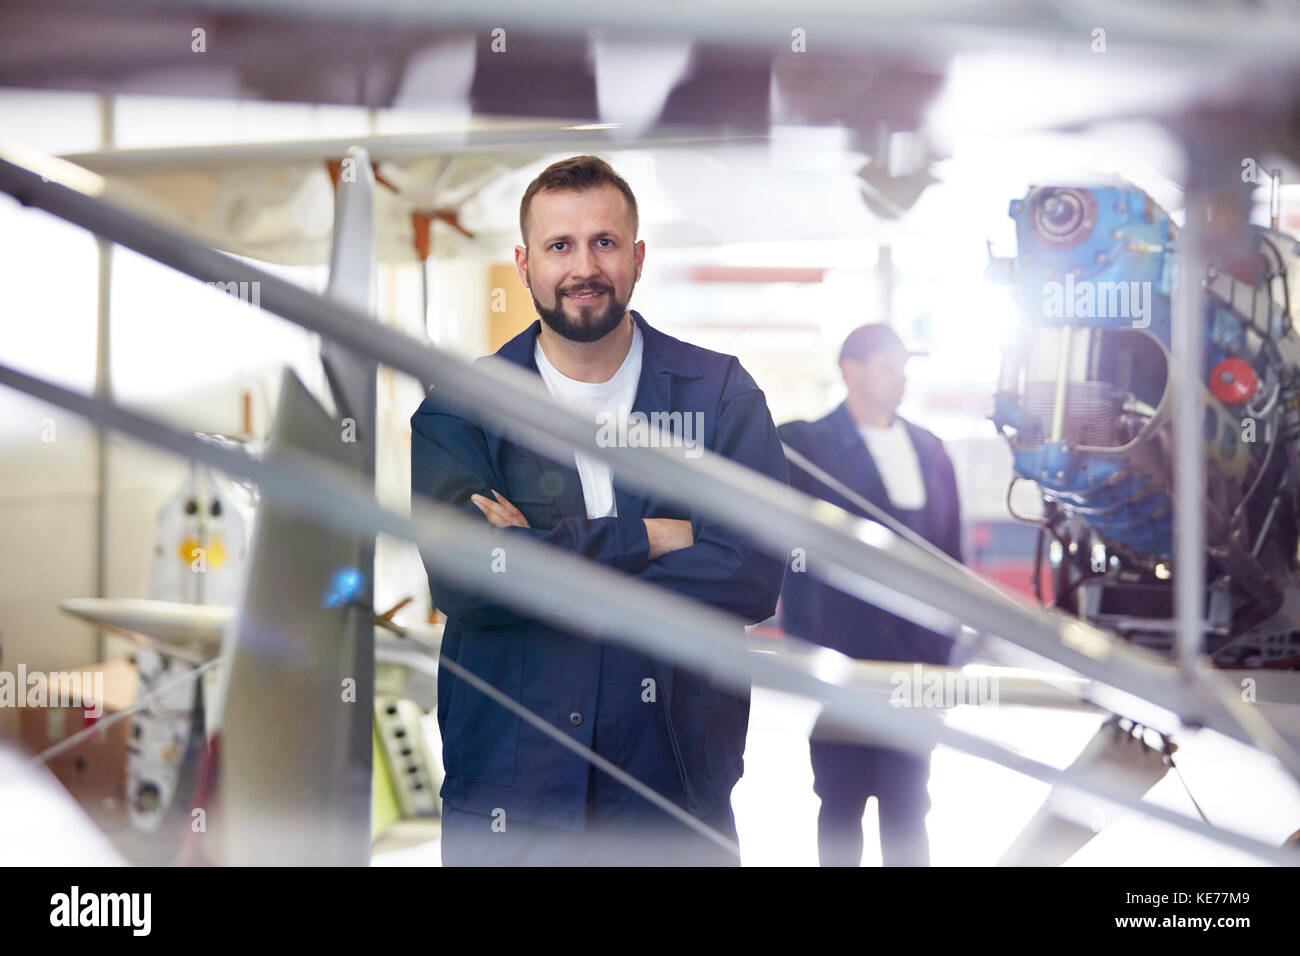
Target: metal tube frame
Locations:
point(691, 633)
point(870, 562)
point(542, 581)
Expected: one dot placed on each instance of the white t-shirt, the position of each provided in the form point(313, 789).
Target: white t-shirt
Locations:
point(615, 397)
point(895, 457)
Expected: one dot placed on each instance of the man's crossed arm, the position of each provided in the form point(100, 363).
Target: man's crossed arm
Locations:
point(663, 534)
point(700, 558)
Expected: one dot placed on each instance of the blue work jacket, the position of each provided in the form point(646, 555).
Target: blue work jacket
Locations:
point(825, 615)
point(492, 758)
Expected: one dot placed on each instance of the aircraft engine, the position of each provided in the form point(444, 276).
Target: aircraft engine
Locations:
point(1086, 399)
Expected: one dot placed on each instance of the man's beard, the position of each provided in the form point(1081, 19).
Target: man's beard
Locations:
point(601, 326)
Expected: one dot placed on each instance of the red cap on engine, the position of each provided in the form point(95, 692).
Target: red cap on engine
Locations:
point(1233, 381)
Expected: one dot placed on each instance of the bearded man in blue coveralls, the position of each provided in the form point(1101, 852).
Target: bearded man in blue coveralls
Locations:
point(512, 795)
point(902, 468)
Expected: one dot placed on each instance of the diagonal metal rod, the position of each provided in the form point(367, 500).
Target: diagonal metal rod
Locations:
point(103, 724)
point(1062, 681)
point(542, 582)
point(1263, 734)
point(564, 740)
point(622, 776)
point(877, 513)
point(866, 560)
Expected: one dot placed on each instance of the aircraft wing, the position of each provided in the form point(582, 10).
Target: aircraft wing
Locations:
point(273, 201)
point(186, 623)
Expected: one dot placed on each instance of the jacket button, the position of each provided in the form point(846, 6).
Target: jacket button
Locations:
point(575, 718)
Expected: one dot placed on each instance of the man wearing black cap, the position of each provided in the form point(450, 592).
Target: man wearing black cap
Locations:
point(865, 446)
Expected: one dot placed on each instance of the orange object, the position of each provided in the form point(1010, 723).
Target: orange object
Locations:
point(1233, 381)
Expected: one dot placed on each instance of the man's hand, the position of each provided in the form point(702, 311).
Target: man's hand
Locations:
point(667, 534)
point(501, 512)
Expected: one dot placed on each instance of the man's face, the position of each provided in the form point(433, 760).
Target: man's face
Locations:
point(582, 260)
point(878, 378)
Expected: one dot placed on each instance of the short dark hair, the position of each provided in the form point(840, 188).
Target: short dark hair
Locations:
point(577, 173)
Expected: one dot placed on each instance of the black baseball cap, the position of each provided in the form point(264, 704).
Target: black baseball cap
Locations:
point(866, 339)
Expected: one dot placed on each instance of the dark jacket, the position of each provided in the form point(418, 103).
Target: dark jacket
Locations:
point(826, 615)
point(492, 758)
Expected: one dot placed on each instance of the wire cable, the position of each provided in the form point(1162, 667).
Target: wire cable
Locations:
point(104, 723)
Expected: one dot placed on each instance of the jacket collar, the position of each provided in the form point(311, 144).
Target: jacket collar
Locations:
point(660, 351)
point(843, 426)
point(857, 458)
point(846, 428)
point(662, 358)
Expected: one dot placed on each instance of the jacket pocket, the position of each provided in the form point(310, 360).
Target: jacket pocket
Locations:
point(523, 487)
